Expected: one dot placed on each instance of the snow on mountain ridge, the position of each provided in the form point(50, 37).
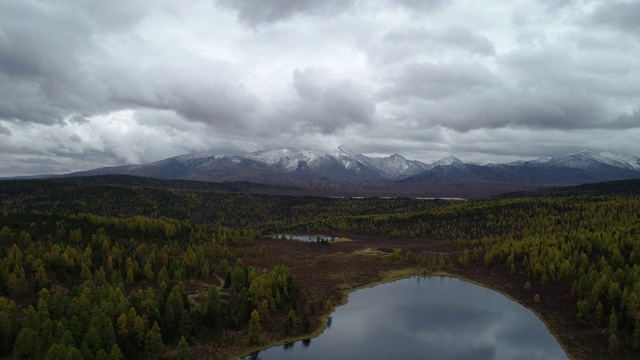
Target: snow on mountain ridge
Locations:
point(586, 159)
point(341, 151)
point(342, 165)
point(288, 159)
point(448, 161)
point(391, 167)
point(394, 166)
point(618, 160)
point(291, 159)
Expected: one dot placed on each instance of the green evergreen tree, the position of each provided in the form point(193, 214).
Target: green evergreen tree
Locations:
point(183, 352)
point(153, 345)
point(255, 327)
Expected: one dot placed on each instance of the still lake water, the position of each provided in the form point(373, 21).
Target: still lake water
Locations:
point(306, 238)
point(427, 318)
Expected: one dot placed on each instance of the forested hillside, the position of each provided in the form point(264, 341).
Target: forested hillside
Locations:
point(117, 271)
point(99, 287)
point(611, 188)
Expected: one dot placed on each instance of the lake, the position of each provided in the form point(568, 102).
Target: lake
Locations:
point(307, 238)
point(427, 318)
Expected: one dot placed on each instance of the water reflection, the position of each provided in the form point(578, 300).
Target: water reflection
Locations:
point(428, 318)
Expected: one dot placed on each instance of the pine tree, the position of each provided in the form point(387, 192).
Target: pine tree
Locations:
point(57, 352)
point(613, 344)
point(583, 312)
point(254, 327)
point(613, 322)
point(115, 353)
point(153, 345)
point(182, 350)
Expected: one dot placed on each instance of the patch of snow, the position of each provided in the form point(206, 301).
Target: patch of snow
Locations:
point(586, 159)
point(448, 161)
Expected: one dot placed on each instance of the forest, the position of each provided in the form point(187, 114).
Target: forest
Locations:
point(122, 267)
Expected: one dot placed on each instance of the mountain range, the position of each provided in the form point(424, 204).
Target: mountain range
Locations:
point(291, 165)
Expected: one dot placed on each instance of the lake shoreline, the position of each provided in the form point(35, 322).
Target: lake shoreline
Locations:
point(392, 276)
point(333, 272)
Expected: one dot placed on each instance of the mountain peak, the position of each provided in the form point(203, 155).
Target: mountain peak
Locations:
point(586, 152)
point(448, 161)
point(341, 151)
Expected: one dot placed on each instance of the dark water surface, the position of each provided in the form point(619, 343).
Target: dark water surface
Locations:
point(427, 318)
point(306, 238)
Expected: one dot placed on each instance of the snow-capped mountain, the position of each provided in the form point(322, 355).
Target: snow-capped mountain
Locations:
point(587, 159)
point(293, 165)
point(394, 166)
point(448, 161)
point(288, 159)
point(295, 160)
point(576, 168)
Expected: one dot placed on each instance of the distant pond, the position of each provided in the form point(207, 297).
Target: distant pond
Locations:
point(307, 238)
point(427, 318)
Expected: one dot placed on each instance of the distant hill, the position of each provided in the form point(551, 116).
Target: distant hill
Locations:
point(9, 187)
point(609, 188)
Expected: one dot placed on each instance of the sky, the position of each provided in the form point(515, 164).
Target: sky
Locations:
point(87, 84)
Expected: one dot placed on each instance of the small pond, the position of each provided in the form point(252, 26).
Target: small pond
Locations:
point(307, 238)
point(427, 318)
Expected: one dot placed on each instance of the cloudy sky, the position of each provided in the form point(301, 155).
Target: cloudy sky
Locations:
point(86, 84)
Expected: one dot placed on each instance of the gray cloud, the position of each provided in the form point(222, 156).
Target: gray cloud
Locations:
point(407, 42)
point(424, 5)
point(309, 83)
point(192, 92)
point(438, 81)
point(271, 11)
point(94, 83)
point(325, 105)
point(75, 138)
point(5, 130)
point(48, 70)
point(619, 15)
point(43, 77)
point(256, 13)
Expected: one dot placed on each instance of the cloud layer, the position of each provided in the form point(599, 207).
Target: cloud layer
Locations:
point(89, 84)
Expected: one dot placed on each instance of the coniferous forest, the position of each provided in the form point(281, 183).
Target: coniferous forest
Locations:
point(121, 267)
